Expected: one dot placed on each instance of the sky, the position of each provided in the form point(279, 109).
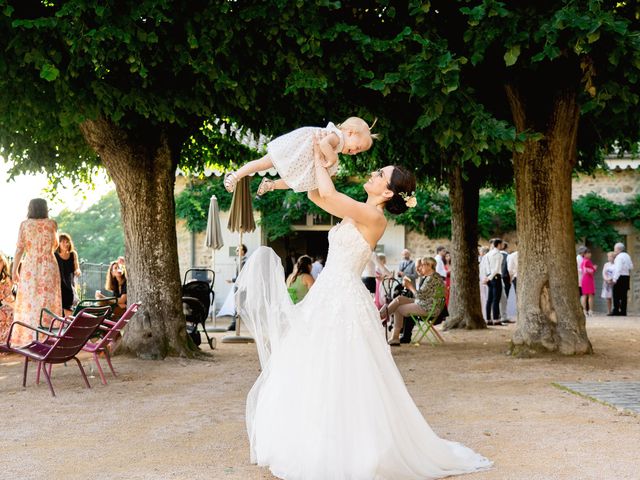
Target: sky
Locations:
point(15, 196)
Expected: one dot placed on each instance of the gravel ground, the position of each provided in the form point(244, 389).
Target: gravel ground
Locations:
point(184, 419)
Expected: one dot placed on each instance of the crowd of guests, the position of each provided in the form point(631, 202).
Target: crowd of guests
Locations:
point(43, 275)
point(498, 273)
point(615, 279)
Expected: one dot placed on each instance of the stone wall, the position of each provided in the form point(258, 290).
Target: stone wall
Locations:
point(619, 186)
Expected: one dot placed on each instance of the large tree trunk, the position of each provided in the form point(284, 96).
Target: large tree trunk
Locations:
point(143, 170)
point(550, 318)
point(465, 310)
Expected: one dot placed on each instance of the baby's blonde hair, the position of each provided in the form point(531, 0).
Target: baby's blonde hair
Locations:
point(358, 125)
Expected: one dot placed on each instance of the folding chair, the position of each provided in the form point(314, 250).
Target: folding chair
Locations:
point(425, 324)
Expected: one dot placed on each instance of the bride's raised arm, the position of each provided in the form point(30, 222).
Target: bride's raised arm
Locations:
point(331, 201)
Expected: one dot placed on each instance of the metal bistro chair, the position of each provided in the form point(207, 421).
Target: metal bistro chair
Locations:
point(58, 347)
point(391, 287)
point(112, 332)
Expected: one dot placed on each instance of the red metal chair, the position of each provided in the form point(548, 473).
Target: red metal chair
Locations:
point(112, 333)
point(59, 345)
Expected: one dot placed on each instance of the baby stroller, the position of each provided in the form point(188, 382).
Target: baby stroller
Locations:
point(197, 298)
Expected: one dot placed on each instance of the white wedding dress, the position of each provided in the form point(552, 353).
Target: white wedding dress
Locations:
point(330, 403)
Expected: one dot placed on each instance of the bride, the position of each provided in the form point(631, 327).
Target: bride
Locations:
point(330, 403)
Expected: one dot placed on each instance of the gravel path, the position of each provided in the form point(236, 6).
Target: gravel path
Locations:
point(184, 419)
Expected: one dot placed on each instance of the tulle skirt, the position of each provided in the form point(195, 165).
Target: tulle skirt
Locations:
point(330, 403)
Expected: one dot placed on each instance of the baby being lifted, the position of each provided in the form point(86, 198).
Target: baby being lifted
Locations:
point(292, 155)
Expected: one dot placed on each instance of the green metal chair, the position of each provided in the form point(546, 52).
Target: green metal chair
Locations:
point(425, 323)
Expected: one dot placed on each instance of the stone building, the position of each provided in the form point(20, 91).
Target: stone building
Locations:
point(620, 183)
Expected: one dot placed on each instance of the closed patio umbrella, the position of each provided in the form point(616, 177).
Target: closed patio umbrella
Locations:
point(240, 220)
point(213, 240)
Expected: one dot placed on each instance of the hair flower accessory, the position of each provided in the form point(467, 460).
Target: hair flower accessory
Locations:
point(409, 199)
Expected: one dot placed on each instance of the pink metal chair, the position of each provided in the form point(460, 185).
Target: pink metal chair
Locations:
point(112, 333)
point(59, 345)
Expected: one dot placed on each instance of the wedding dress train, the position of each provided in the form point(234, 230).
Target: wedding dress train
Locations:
point(330, 403)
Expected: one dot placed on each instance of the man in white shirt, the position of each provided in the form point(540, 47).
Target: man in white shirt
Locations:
point(622, 266)
point(316, 267)
point(440, 253)
point(493, 279)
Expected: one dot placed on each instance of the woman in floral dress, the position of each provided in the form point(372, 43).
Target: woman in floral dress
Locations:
point(6, 300)
point(35, 270)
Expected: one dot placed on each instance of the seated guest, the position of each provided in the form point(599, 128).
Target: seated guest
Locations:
point(6, 299)
point(300, 280)
point(429, 299)
point(117, 284)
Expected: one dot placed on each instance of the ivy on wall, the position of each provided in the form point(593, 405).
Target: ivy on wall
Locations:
point(593, 216)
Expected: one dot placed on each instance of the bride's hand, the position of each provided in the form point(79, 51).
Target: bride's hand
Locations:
point(318, 157)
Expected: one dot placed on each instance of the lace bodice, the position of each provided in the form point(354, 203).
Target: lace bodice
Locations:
point(349, 252)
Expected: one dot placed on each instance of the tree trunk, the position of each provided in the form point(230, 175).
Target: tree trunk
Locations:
point(143, 170)
point(550, 317)
point(465, 310)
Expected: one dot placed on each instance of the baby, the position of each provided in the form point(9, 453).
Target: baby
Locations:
point(292, 155)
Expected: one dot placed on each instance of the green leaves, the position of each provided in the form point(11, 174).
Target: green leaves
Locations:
point(49, 72)
point(511, 56)
point(593, 219)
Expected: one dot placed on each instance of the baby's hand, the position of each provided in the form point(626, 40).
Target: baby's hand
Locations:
point(327, 163)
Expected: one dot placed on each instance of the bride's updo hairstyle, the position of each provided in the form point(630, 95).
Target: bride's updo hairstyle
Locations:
point(402, 181)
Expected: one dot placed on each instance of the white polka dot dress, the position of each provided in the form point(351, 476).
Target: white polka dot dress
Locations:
point(292, 156)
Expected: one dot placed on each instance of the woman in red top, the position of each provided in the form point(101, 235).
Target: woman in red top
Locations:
point(588, 283)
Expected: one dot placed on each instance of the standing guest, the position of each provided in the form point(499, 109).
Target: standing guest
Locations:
point(6, 299)
point(241, 249)
point(579, 258)
point(447, 277)
point(369, 274)
point(493, 279)
point(300, 281)
point(512, 267)
point(607, 280)
point(317, 266)
point(35, 270)
point(482, 267)
point(506, 284)
point(407, 266)
point(382, 272)
point(440, 253)
point(623, 266)
point(67, 258)
point(116, 283)
point(588, 284)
